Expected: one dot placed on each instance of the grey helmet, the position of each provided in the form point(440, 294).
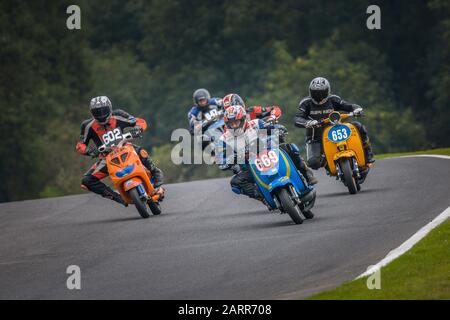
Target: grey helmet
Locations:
point(319, 90)
point(101, 109)
point(200, 94)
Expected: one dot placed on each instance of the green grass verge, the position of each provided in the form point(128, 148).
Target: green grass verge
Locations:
point(421, 273)
point(443, 151)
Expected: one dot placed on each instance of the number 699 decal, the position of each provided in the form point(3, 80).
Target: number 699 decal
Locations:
point(266, 161)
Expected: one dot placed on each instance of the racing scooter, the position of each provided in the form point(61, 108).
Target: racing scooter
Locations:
point(129, 176)
point(343, 150)
point(281, 184)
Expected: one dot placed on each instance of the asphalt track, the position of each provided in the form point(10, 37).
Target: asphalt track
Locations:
point(212, 244)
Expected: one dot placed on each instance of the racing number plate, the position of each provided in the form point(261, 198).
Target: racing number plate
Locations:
point(339, 133)
point(266, 160)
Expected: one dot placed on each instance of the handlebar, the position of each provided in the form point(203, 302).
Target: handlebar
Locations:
point(343, 116)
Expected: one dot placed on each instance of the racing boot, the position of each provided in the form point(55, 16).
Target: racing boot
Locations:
point(156, 173)
point(112, 195)
point(158, 176)
point(301, 165)
point(161, 192)
point(367, 146)
point(308, 173)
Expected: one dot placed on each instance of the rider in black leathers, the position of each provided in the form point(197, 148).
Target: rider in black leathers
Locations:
point(318, 106)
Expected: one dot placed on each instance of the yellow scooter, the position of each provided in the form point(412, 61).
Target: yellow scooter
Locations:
point(343, 150)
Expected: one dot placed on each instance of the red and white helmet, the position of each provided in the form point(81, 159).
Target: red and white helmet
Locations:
point(235, 119)
point(233, 99)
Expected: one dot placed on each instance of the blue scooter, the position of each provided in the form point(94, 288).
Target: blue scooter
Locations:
point(282, 186)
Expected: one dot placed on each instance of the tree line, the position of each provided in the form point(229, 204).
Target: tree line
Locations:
point(149, 56)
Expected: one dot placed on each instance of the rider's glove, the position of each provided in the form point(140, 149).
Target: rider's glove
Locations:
point(136, 132)
point(358, 112)
point(224, 166)
point(271, 118)
point(311, 123)
point(93, 152)
point(282, 129)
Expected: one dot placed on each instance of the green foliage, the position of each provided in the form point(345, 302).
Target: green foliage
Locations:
point(149, 56)
point(288, 81)
point(43, 76)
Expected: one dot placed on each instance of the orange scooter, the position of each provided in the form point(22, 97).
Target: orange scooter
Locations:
point(130, 177)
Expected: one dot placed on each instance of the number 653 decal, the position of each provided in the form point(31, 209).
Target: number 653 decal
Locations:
point(339, 133)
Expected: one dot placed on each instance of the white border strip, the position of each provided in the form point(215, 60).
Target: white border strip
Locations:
point(440, 156)
point(419, 235)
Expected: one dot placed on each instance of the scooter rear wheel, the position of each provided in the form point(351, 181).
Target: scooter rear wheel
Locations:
point(155, 207)
point(140, 204)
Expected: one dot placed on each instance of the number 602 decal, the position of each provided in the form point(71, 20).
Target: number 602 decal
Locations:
point(113, 135)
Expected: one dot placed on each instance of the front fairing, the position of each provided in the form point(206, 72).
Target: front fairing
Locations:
point(284, 173)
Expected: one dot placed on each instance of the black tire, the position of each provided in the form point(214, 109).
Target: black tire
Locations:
point(290, 206)
point(347, 171)
point(141, 205)
point(155, 207)
point(308, 214)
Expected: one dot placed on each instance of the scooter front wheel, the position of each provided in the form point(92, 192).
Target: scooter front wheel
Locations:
point(347, 171)
point(289, 206)
point(141, 204)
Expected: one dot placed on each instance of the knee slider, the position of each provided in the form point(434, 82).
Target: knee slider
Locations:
point(234, 182)
point(85, 182)
point(88, 180)
point(143, 153)
point(235, 189)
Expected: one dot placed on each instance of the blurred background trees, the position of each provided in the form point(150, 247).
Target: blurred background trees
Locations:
point(149, 56)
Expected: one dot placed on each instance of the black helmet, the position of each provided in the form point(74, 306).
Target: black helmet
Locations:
point(319, 90)
point(101, 109)
point(201, 94)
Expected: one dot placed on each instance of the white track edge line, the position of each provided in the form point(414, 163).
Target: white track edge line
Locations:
point(415, 238)
point(440, 156)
